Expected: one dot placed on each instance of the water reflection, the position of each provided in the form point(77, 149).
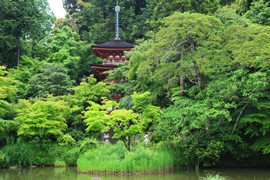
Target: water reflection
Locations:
point(71, 174)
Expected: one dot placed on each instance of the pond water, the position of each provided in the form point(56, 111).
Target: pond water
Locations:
point(71, 174)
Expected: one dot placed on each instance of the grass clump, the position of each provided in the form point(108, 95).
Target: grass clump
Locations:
point(59, 163)
point(108, 158)
point(214, 177)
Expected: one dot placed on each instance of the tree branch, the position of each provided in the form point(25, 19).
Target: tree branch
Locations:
point(216, 127)
point(171, 48)
point(191, 80)
point(240, 116)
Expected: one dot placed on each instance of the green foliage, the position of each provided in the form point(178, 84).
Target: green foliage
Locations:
point(87, 144)
point(59, 163)
point(125, 123)
point(26, 154)
point(259, 12)
point(225, 81)
point(65, 140)
point(172, 54)
point(168, 7)
point(107, 158)
point(28, 68)
point(229, 17)
point(243, 6)
point(18, 154)
point(40, 119)
point(165, 8)
point(7, 85)
point(30, 19)
point(52, 79)
point(87, 91)
point(8, 91)
point(65, 47)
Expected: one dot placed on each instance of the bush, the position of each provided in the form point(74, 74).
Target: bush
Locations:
point(87, 144)
point(59, 163)
point(65, 140)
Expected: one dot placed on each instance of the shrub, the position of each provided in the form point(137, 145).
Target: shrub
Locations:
point(59, 163)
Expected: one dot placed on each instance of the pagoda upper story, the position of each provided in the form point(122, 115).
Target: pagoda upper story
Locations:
point(113, 51)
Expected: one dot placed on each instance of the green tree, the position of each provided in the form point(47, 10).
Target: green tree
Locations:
point(28, 68)
point(40, 119)
point(65, 47)
point(229, 17)
point(230, 107)
point(243, 6)
point(259, 12)
point(30, 19)
point(171, 56)
point(52, 79)
point(125, 123)
point(165, 8)
point(87, 91)
point(8, 91)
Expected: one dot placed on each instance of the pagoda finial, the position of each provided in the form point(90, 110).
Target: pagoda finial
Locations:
point(117, 9)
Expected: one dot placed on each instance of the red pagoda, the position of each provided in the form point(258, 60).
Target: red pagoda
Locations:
point(113, 51)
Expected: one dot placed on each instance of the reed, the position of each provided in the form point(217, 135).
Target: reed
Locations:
point(116, 159)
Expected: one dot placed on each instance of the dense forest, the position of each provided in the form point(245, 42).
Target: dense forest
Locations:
point(198, 80)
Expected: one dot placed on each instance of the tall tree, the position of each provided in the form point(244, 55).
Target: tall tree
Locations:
point(165, 8)
point(65, 47)
point(172, 53)
point(52, 79)
point(89, 17)
point(21, 20)
point(259, 12)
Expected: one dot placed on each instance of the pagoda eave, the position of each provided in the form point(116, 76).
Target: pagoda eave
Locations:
point(99, 68)
point(97, 49)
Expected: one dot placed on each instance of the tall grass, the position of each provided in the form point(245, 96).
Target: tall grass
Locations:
point(108, 158)
point(25, 154)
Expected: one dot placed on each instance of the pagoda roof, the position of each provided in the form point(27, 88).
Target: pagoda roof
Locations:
point(104, 65)
point(116, 43)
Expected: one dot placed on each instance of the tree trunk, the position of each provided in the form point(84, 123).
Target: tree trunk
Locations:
point(207, 122)
point(124, 141)
point(129, 143)
point(19, 51)
point(196, 65)
point(182, 85)
point(182, 81)
point(41, 141)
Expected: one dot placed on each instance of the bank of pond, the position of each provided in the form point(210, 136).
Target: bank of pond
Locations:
point(94, 159)
point(91, 157)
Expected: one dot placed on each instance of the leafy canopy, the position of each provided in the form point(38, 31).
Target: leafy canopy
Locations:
point(40, 119)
